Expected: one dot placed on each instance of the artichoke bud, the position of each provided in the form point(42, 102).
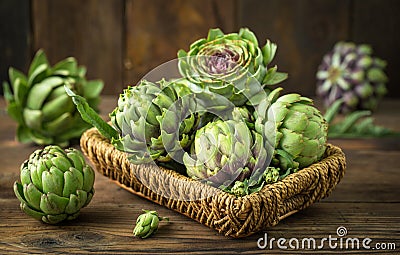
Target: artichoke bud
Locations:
point(150, 132)
point(222, 153)
point(147, 224)
point(350, 72)
point(55, 184)
point(292, 124)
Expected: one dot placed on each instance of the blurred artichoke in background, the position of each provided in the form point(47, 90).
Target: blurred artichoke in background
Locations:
point(232, 65)
point(224, 152)
point(294, 127)
point(139, 116)
point(39, 103)
point(349, 72)
point(55, 184)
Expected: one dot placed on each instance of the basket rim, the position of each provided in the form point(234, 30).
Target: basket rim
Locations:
point(224, 212)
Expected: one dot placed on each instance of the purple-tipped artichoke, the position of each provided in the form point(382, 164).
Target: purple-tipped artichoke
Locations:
point(224, 152)
point(230, 64)
point(349, 72)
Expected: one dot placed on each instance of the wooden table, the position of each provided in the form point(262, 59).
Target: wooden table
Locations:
point(366, 203)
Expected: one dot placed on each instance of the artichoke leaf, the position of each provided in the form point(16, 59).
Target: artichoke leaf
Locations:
point(31, 212)
point(14, 74)
point(51, 203)
point(37, 96)
point(14, 110)
point(66, 67)
point(54, 219)
point(91, 116)
point(88, 178)
point(93, 89)
point(38, 75)
point(38, 60)
point(53, 181)
point(24, 134)
point(73, 180)
point(56, 107)
point(32, 195)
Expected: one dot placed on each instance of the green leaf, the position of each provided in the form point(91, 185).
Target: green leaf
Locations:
point(14, 74)
point(332, 111)
point(268, 52)
point(81, 71)
point(66, 67)
point(276, 78)
point(92, 89)
point(8, 96)
point(39, 59)
point(350, 120)
point(20, 91)
point(214, 33)
point(23, 134)
point(245, 33)
point(33, 118)
point(91, 116)
point(38, 74)
point(181, 54)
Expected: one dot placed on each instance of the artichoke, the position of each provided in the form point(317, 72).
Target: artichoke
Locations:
point(224, 152)
point(294, 127)
point(44, 112)
point(232, 65)
point(139, 120)
point(349, 72)
point(55, 184)
point(147, 224)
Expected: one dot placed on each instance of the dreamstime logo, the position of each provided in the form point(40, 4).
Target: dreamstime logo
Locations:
point(330, 242)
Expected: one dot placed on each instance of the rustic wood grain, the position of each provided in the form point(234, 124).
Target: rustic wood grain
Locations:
point(155, 32)
point(303, 30)
point(15, 35)
point(377, 23)
point(91, 31)
point(366, 202)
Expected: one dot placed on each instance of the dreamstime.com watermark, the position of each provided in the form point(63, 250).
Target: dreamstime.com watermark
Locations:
point(340, 241)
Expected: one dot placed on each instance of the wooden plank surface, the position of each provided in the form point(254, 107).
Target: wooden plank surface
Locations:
point(377, 23)
point(15, 33)
point(155, 32)
point(91, 31)
point(303, 30)
point(366, 202)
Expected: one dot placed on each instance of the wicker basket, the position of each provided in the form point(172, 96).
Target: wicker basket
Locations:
point(229, 215)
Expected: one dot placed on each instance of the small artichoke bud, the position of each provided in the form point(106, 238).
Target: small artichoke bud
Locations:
point(147, 224)
point(239, 189)
point(271, 175)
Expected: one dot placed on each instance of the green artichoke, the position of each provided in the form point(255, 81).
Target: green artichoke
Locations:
point(44, 112)
point(246, 187)
point(351, 73)
point(139, 119)
point(232, 65)
point(55, 184)
point(147, 224)
point(224, 152)
point(295, 127)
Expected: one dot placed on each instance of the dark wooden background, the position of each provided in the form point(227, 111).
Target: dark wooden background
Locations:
point(121, 40)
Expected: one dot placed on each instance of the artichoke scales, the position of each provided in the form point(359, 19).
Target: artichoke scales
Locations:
point(232, 65)
point(55, 184)
point(295, 128)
